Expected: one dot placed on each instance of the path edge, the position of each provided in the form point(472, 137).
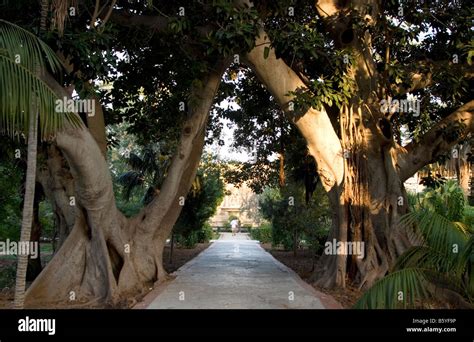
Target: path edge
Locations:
point(328, 301)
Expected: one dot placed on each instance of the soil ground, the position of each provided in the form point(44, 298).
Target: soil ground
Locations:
point(7, 270)
point(181, 256)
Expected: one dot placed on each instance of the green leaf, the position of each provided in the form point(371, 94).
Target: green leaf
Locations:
point(398, 289)
point(22, 58)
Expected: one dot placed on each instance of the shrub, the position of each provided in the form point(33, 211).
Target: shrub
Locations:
point(8, 276)
point(205, 234)
point(246, 228)
point(262, 233)
point(46, 217)
point(188, 241)
point(10, 197)
point(202, 201)
point(292, 216)
point(469, 217)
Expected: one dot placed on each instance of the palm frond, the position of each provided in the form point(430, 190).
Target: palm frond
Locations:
point(447, 200)
point(149, 195)
point(135, 162)
point(468, 218)
point(436, 230)
point(16, 42)
point(441, 270)
point(399, 289)
point(130, 180)
point(22, 56)
point(467, 260)
point(425, 257)
point(445, 280)
point(444, 261)
point(149, 159)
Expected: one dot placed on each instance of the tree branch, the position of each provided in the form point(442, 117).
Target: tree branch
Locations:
point(108, 14)
point(437, 141)
point(314, 125)
point(154, 22)
point(96, 12)
point(164, 210)
point(124, 18)
point(422, 75)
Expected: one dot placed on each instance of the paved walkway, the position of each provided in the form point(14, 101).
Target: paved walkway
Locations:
point(236, 273)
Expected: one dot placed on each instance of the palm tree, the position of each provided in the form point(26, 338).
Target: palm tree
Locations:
point(148, 168)
point(441, 266)
point(25, 98)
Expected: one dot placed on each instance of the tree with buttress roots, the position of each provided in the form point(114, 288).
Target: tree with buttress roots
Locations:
point(377, 89)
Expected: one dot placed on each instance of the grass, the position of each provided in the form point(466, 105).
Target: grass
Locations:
point(46, 247)
point(7, 257)
point(7, 276)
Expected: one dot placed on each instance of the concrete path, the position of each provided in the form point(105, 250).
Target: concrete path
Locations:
point(236, 273)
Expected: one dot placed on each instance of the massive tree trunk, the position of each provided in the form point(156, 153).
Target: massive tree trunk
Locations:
point(373, 198)
point(373, 201)
point(108, 258)
point(362, 167)
point(96, 123)
point(463, 167)
point(358, 175)
point(58, 186)
point(56, 178)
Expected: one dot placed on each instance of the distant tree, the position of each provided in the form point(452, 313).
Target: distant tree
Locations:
point(293, 219)
point(11, 175)
point(148, 170)
point(206, 194)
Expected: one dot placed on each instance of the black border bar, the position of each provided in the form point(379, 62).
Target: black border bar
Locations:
point(243, 323)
